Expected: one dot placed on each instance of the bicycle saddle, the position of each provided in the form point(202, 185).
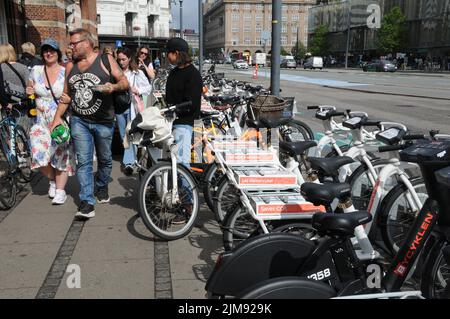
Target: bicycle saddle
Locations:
point(229, 99)
point(273, 122)
point(222, 108)
point(340, 224)
point(324, 194)
point(329, 166)
point(296, 148)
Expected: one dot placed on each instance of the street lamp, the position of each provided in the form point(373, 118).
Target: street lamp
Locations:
point(181, 19)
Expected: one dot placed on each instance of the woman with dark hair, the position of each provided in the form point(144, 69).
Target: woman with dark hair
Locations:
point(139, 87)
point(145, 63)
point(183, 84)
point(55, 161)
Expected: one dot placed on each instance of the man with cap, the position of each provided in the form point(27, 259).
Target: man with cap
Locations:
point(184, 84)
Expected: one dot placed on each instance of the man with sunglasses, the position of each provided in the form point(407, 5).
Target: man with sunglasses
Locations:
point(145, 64)
point(88, 83)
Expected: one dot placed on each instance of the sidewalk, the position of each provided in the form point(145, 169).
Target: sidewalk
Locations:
point(117, 256)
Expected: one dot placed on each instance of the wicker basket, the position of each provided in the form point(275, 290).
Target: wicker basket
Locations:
point(267, 106)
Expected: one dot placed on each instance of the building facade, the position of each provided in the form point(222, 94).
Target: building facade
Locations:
point(133, 22)
point(427, 25)
point(245, 26)
point(34, 20)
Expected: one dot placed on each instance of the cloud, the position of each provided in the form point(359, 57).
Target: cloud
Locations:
point(190, 15)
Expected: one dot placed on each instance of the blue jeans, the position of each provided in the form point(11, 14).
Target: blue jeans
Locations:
point(129, 154)
point(183, 138)
point(85, 137)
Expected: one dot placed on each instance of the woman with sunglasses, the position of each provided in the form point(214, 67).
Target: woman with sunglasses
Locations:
point(139, 87)
point(145, 63)
point(55, 161)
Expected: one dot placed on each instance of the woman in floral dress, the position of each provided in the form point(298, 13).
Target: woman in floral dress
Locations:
point(55, 161)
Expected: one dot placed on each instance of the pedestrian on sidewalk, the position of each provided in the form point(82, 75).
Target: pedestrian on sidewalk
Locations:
point(28, 57)
point(14, 75)
point(55, 161)
point(139, 86)
point(88, 83)
point(184, 83)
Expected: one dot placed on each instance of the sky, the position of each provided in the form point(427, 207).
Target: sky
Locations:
point(190, 14)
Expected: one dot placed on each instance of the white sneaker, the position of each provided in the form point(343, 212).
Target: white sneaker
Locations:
point(60, 197)
point(52, 190)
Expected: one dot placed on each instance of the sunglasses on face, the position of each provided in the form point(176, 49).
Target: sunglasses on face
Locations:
point(143, 53)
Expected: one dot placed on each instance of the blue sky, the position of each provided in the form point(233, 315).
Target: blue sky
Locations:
point(190, 14)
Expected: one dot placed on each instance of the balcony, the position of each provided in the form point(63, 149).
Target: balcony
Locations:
point(132, 6)
point(153, 9)
point(127, 30)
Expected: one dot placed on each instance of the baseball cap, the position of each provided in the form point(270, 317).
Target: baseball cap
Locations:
point(51, 43)
point(177, 44)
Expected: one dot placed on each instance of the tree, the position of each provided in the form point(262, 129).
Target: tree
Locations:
point(392, 34)
point(283, 51)
point(319, 43)
point(299, 50)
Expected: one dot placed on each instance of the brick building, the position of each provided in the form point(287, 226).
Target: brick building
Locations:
point(35, 20)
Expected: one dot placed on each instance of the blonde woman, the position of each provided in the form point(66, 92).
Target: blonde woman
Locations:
point(14, 74)
point(56, 162)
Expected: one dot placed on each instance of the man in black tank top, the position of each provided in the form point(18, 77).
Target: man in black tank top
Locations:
point(92, 117)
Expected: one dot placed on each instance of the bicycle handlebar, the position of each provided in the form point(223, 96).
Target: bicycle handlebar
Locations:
point(414, 137)
point(390, 148)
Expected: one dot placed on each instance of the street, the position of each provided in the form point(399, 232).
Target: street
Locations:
point(45, 254)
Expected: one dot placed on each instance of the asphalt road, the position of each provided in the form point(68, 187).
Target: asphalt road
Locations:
point(420, 101)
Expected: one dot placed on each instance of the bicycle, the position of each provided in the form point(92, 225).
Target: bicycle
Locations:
point(16, 156)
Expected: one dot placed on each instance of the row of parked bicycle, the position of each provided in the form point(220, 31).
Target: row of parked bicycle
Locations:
point(303, 218)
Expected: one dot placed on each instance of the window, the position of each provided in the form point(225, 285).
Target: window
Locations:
point(295, 18)
point(247, 40)
point(247, 16)
point(235, 17)
point(247, 28)
point(234, 6)
point(295, 8)
point(283, 40)
point(258, 41)
point(284, 7)
point(258, 28)
point(293, 41)
point(235, 41)
point(284, 18)
point(283, 29)
point(247, 7)
point(294, 29)
point(259, 7)
point(235, 29)
point(99, 19)
point(258, 16)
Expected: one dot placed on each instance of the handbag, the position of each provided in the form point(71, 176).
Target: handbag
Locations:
point(11, 92)
point(121, 100)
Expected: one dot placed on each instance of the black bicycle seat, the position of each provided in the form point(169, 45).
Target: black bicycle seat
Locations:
point(324, 194)
point(296, 148)
point(340, 224)
point(273, 122)
point(229, 99)
point(329, 166)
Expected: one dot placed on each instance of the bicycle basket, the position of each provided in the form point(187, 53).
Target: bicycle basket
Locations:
point(267, 106)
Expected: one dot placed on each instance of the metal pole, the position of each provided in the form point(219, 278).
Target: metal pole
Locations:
point(276, 48)
point(181, 19)
point(348, 33)
point(200, 36)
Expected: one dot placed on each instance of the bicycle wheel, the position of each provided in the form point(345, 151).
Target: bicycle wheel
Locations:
point(360, 183)
point(8, 179)
point(226, 199)
point(23, 153)
point(238, 225)
point(212, 177)
point(436, 275)
point(397, 215)
point(296, 131)
point(164, 219)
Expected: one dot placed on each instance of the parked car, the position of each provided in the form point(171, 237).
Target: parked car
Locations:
point(207, 61)
point(288, 63)
point(314, 62)
point(380, 66)
point(240, 64)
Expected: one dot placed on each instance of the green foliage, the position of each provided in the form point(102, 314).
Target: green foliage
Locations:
point(299, 50)
point(319, 45)
point(392, 34)
point(284, 52)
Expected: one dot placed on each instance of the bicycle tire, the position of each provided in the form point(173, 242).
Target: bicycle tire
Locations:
point(435, 282)
point(23, 152)
point(361, 202)
point(238, 226)
point(225, 199)
point(391, 238)
point(212, 177)
point(167, 215)
point(303, 129)
point(8, 181)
